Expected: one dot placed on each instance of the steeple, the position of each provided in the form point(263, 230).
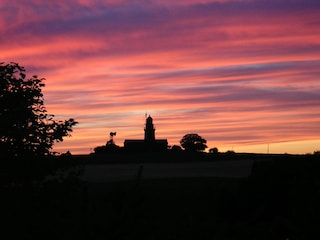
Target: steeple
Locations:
point(149, 131)
point(149, 143)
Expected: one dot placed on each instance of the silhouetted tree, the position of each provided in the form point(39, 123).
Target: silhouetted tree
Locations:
point(26, 129)
point(108, 148)
point(193, 142)
point(176, 148)
point(213, 150)
point(100, 149)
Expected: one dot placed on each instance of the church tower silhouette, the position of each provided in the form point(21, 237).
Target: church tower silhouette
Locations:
point(149, 143)
point(149, 131)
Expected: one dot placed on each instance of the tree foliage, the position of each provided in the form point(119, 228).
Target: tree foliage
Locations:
point(193, 142)
point(26, 129)
point(176, 148)
point(213, 150)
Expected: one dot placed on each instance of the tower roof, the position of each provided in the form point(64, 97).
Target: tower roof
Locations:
point(149, 120)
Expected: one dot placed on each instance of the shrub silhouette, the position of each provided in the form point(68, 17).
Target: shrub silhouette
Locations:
point(176, 148)
point(214, 150)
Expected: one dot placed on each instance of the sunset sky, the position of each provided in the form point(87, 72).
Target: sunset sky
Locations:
point(243, 74)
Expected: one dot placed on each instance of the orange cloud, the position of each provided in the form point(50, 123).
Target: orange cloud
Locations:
point(239, 73)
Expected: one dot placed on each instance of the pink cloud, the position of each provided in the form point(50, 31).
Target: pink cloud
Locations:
point(236, 72)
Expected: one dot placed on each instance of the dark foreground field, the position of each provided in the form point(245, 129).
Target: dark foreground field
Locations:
point(279, 200)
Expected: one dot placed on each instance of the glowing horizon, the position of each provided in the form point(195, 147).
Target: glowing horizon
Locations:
point(242, 74)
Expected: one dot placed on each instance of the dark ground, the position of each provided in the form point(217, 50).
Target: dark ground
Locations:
point(280, 200)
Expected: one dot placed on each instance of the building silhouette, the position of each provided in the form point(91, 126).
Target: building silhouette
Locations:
point(149, 143)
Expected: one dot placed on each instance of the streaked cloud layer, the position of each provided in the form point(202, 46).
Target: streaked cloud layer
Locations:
point(242, 74)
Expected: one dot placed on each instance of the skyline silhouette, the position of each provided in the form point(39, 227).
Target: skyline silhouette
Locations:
point(243, 74)
point(157, 193)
